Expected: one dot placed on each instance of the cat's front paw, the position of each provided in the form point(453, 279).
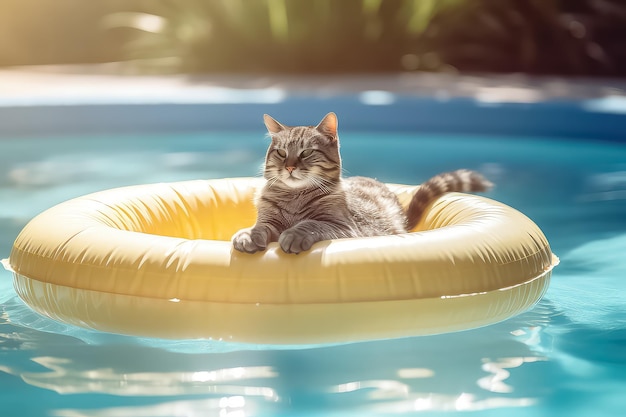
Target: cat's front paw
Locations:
point(296, 241)
point(250, 240)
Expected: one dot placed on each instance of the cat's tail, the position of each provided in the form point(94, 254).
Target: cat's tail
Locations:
point(462, 180)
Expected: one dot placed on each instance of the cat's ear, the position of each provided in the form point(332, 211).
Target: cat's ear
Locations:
point(328, 125)
point(273, 126)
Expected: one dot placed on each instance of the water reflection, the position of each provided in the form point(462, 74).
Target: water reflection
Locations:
point(376, 389)
point(463, 402)
point(233, 406)
point(495, 382)
point(605, 186)
point(109, 166)
point(70, 377)
point(445, 372)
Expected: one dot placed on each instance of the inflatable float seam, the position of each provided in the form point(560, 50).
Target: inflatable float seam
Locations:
point(173, 294)
point(530, 281)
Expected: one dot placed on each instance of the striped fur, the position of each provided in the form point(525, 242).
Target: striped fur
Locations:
point(462, 180)
point(305, 199)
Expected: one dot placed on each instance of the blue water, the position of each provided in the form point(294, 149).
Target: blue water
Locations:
point(565, 357)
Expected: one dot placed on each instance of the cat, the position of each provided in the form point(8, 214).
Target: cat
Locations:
point(306, 200)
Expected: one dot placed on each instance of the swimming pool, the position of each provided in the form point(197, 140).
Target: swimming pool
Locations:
point(567, 356)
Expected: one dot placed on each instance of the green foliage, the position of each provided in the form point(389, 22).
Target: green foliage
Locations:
point(279, 35)
point(321, 36)
point(570, 37)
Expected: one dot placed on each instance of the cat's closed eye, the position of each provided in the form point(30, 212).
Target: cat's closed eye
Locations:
point(306, 153)
point(282, 153)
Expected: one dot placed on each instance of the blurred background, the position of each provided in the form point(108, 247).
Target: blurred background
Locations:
point(546, 37)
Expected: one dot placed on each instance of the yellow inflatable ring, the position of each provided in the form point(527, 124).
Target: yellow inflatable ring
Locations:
point(156, 260)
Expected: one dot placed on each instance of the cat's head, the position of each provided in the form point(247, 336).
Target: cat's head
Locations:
point(303, 156)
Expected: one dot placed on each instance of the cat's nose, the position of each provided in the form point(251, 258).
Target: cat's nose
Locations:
point(290, 169)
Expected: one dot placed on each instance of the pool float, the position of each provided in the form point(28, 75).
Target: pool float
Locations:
point(156, 260)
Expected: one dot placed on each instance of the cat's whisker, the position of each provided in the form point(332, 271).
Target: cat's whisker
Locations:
point(329, 184)
point(320, 183)
point(272, 180)
point(324, 187)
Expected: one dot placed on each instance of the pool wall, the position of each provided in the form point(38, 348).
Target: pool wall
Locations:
point(597, 118)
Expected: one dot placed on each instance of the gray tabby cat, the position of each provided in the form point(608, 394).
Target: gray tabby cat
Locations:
point(305, 199)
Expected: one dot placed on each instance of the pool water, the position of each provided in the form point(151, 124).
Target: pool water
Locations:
point(564, 357)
